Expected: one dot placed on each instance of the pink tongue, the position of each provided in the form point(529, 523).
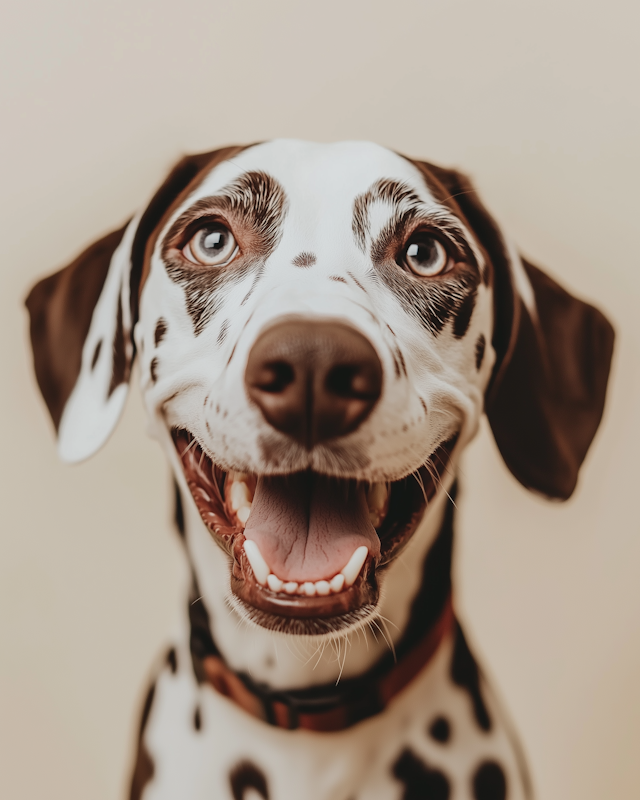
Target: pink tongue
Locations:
point(308, 526)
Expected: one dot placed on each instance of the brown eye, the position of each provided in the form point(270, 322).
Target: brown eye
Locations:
point(211, 246)
point(425, 256)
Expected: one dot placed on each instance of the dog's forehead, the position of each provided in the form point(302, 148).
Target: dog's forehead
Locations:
point(316, 173)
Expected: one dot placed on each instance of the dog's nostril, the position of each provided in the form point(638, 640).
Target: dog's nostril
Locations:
point(274, 377)
point(351, 381)
point(339, 380)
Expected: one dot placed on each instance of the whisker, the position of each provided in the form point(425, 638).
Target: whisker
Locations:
point(387, 637)
point(344, 660)
point(191, 444)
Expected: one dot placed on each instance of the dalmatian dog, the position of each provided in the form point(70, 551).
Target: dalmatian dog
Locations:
point(318, 329)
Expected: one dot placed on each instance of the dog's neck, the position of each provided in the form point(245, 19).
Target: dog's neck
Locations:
point(420, 576)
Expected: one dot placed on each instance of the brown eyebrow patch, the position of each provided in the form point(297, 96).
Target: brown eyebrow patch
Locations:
point(433, 302)
point(304, 260)
point(337, 278)
point(393, 192)
point(258, 204)
point(406, 208)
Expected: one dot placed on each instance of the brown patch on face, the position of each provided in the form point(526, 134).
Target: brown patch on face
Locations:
point(222, 333)
point(252, 207)
point(433, 300)
point(304, 260)
point(337, 279)
point(357, 283)
point(183, 179)
point(455, 192)
point(96, 355)
point(463, 315)
point(160, 331)
point(391, 192)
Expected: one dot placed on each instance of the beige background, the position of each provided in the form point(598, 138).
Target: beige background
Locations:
point(539, 103)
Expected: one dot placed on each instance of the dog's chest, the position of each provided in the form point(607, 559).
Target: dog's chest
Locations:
point(432, 742)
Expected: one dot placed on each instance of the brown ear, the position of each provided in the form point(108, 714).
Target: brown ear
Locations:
point(553, 354)
point(546, 403)
point(82, 320)
point(60, 308)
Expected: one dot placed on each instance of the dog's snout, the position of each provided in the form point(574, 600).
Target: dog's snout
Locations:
point(313, 380)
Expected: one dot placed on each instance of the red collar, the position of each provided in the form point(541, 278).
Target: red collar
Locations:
point(329, 707)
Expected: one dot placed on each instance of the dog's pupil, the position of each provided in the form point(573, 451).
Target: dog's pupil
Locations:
point(423, 253)
point(214, 240)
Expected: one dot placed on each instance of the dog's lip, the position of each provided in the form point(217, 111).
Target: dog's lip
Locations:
point(281, 611)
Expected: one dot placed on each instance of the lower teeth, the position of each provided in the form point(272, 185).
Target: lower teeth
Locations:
point(265, 577)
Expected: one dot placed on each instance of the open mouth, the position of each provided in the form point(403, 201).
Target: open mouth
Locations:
point(307, 548)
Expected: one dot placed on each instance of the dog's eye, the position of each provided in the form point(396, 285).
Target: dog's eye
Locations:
point(211, 246)
point(425, 256)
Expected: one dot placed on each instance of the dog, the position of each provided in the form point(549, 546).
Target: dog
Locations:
point(319, 329)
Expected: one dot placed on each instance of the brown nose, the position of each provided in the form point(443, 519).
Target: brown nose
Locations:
point(313, 380)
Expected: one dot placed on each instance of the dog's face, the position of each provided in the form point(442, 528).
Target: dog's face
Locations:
point(313, 330)
point(317, 326)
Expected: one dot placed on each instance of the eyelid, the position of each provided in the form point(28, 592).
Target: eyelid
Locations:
point(452, 247)
point(193, 226)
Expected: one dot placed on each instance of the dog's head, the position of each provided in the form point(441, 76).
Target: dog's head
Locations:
point(319, 329)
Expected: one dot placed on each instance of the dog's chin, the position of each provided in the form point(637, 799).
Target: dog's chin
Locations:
point(307, 550)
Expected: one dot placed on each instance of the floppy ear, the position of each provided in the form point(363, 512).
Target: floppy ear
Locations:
point(547, 393)
point(82, 348)
point(82, 321)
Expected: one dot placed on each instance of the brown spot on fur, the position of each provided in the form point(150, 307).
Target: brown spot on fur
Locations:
point(222, 333)
point(463, 315)
point(357, 282)
point(160, 331)
point(246, 776)
point(304, 260)
point(96, 355)
point(121, 364)
point(480, 348)
point(143, 769)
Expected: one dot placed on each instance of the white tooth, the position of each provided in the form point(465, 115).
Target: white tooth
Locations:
point(258, 564)
point(243, 514)
point(309, 588)
point(377, 497)
point(323, 588)
point(275, 584)
point(337, 582)
point(291, 587)
point(239, 495)
point(354, 566)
